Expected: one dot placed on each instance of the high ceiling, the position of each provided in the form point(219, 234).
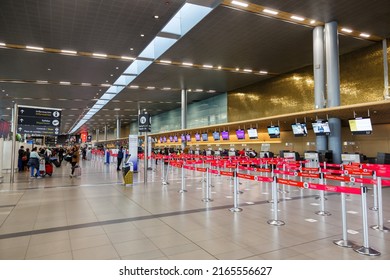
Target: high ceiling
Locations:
point(228, 37)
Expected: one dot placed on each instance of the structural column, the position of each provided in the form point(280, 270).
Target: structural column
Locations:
point(105, 132)
point(319, 79)
point(118, 128)
point(333, 87)
point(385, 70)
point(183, 113)
point(1, 159)
point(97, 134)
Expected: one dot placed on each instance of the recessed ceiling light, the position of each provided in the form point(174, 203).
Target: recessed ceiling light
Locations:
point(271, 12)
point(111, 75)
point(207, 66)
point(248, 70)
point(166, 88)
point(150, 87)
point(298, 18)
point(68, 52)
point(99, 54)
point(85, 84)
point(117, 68)
point(134, 86)
point(132, 49)
point(117, 109)
point(263, 72)
point(3, 90)
point(187, 64)
point(42, 82)
point(346, 30)
point(199, 90)
point(127, 57)
point(237, 69)
point(48, 69)
point(365, 35)
point(166, 61)
point(64, 83)
point(238, 3)
point(312, 21)
point(105, 85)
point(34, 48)
point(156, 16)
point(219, 67)
point(211, 91)
point(142, 35)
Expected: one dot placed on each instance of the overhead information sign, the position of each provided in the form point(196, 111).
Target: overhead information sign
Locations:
point(39, 120)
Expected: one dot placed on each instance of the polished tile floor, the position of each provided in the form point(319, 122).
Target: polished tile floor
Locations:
point(96, 217)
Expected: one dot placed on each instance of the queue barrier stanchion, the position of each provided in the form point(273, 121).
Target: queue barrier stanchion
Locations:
point(183, 180)
point(322, 212)
point(365, 249)
point(165, 173)
point(344, 242)
point(376, 188)
point(275, 221)
point(235, 194)
point(208, 188)
point(273, 176)
point(380, 225)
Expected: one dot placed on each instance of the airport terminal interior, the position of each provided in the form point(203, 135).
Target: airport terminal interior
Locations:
point(247, 130)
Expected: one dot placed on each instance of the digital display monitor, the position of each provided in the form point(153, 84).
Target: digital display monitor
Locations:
point(188, 137)
point(183, 138)
point(205, 137)
point(216, 135)
point(252, 133)
point(360, 126)
point(225, 135)
point(197, 136)
point(161, 140)
point(321, 127)
point(164, 139)
point(175, 138)
point(240, 134)
point(170, 138)
point(273, 131)
point(299, 129)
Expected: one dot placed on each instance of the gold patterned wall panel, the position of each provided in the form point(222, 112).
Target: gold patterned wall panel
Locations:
point(361, 80)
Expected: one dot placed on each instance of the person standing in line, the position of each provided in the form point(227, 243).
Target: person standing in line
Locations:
point(34, 163)
point(28, 158)
point(120, 157)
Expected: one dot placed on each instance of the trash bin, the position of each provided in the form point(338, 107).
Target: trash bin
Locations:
point(127, 172)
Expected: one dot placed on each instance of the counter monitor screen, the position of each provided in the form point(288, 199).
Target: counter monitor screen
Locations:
point(299, 129)
point(360, 126)
point(164, 139)
point(216, 135)
point(252, 133)
point(170, 138)
point(205, 137)
point(240, 134)
point(188, 137)
point(183, 138)
point(197, 136)
point(225, 135)
point(273, 131)
point(321, 127)
point(175, 138)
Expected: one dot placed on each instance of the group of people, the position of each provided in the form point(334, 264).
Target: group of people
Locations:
point(30, 160)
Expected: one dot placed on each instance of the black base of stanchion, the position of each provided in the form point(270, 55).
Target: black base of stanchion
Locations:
point(182, 191)
point(344, 243)
point(207, 199)
point(235, 209)
point(367, 251)
point(165, 183)
point(319, 197)
point(373, 208)
point(272, 201)
point(323, 213)
point(380, 228)
point(276, 223)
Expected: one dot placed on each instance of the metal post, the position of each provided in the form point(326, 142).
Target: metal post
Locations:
point(97, 134)
point(322, 212)
point(165, 173)
point(235, 194)
point(380, 225)
point(146, 158)
point(275, 221)
point(344, 242)
point(183, 180)
point(375, 187)
point(183, 113)
point(365, 249)
point(14, 124)
point(105, 132)
point(118, 128)
point(1, 159)
point(208, 188)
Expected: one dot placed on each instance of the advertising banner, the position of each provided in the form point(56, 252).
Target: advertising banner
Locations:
point(133, 152)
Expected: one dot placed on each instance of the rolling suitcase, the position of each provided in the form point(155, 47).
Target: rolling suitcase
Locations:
point(49, 169)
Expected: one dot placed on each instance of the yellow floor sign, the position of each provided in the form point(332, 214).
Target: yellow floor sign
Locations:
point(128, 179)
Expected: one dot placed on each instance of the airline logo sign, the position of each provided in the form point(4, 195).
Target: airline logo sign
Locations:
point(39, 121)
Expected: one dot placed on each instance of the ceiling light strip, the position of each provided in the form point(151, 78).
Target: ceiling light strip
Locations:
point(295, 19)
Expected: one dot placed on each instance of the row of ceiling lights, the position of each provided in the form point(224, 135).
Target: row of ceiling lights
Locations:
point(294, 18)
